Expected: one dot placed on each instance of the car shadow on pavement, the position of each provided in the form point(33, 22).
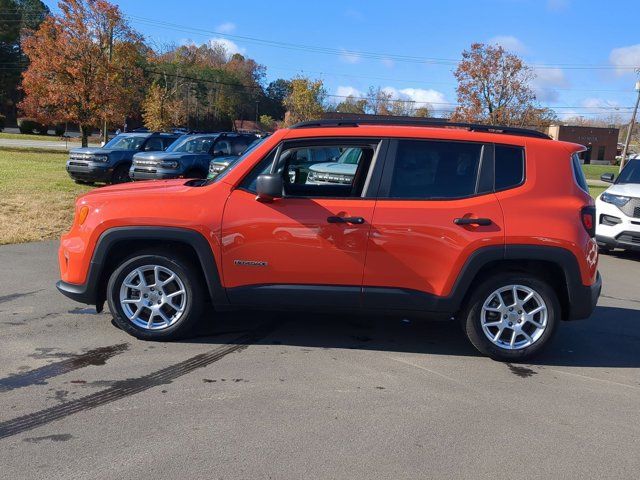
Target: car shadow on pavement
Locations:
point(610, 338)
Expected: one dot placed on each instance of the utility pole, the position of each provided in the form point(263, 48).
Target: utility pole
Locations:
point(105, 135)
point(630, 129)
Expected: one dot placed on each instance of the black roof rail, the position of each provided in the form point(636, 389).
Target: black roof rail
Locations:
point(421, 122)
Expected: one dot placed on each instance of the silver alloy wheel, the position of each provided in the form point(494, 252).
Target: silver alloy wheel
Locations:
point(153, 297)
point(514, 317)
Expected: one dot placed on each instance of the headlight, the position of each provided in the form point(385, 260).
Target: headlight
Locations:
point(312, 176)
point(617, 200)
point(169, 164)
point(216, 167)
point(100, 158)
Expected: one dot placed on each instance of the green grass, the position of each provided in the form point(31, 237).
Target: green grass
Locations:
point(595, 191)
point(36, 196)
point(593, 172)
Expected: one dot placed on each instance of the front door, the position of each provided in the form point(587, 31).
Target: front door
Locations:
point(307, 247)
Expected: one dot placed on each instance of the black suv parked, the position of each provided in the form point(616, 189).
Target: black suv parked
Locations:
point(189, 157)
point(111, 163)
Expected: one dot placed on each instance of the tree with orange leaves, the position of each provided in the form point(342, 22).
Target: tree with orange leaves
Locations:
point(494, 87)
point(70, 77)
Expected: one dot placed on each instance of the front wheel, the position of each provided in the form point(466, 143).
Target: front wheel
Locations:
point(512, 316)
point(154, 297)
point(121, 174)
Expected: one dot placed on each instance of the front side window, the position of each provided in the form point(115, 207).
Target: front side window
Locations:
point(125, 142)
point(434, 169)
point(305, 176)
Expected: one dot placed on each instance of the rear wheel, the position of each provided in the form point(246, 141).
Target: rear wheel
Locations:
point(121, 174)
point(154, 297)
point(512, 316)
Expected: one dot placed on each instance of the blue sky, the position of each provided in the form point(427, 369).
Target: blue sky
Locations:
point(412, 46)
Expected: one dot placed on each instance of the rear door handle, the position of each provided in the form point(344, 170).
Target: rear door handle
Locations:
point(336, 219)
point(483, 222)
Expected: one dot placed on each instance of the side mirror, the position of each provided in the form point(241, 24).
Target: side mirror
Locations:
point(269, 187)
point(607, 177)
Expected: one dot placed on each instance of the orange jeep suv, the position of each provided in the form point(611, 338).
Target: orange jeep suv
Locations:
point(492, 226)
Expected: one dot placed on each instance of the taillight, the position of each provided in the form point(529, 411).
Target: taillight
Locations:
point(588, 217)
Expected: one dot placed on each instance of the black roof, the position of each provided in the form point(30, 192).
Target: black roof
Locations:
point(420, 122)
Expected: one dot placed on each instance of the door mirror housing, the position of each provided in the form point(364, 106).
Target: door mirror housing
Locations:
point(607, 177)
point(269, 186)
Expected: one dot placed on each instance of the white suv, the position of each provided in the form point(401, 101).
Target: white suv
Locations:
point(618, 209)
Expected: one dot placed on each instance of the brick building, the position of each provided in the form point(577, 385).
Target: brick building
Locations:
point(601, 143)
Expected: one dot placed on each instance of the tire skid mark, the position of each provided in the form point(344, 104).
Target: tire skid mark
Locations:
point(97, 356)
point(132, 386)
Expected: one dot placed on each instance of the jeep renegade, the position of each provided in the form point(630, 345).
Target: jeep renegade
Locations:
point(492, 226)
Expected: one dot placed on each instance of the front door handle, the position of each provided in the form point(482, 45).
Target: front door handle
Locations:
point(336, 219)
point(483, 222)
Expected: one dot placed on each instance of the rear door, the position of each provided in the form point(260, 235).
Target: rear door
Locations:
point(421, 235)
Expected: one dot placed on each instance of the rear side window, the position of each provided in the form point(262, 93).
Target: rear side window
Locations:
point(578, 173)
point(509, 166)
point(434, 170)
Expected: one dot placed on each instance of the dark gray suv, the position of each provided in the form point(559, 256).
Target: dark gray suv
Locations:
point(111, 163)
point(189, 156)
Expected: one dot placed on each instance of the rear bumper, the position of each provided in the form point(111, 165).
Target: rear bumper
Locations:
point(584, 299)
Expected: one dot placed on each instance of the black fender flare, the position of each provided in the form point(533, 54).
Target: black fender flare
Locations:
point(89, 291)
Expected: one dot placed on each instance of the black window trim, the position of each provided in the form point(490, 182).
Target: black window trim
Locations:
point(374, 176)
point(484, 180)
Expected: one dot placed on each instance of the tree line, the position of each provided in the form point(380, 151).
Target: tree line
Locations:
point(87, 66)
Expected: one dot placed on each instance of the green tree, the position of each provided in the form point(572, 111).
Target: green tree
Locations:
point(17, 19)
point(352, 104)
point(306, 100)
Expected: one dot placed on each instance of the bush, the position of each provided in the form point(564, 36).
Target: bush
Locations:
point(1, 122)
point(42, 129)
point(26, 125)
point(59, 129)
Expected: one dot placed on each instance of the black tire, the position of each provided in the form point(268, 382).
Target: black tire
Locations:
point(84, 182)
point(121, 174)
point(472, 322)
point(187, 274)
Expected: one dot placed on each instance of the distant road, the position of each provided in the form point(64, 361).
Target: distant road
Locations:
point(46, 144)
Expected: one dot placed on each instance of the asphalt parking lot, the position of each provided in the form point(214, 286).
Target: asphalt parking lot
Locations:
point(260, 395)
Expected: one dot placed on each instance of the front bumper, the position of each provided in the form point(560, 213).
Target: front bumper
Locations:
point(88, 171)
point(146, 173)
point(79, 293)
point(624, 234)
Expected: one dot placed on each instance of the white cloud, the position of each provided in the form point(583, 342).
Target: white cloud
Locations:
point(421, 96)
point(345, 91)
point(349, 57)
point(231, 47)
point(625, 57)
point(226, 27)
point(509, 43)
point(547, 79)
point(597, 103)
point(387, 62)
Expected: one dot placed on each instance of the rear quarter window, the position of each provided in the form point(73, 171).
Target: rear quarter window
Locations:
point(509, 166)
point(581, 180)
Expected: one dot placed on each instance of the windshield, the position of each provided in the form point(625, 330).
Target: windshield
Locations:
point(630, 173)
point(192, 144)
point(125, 142)
point(239, 160)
